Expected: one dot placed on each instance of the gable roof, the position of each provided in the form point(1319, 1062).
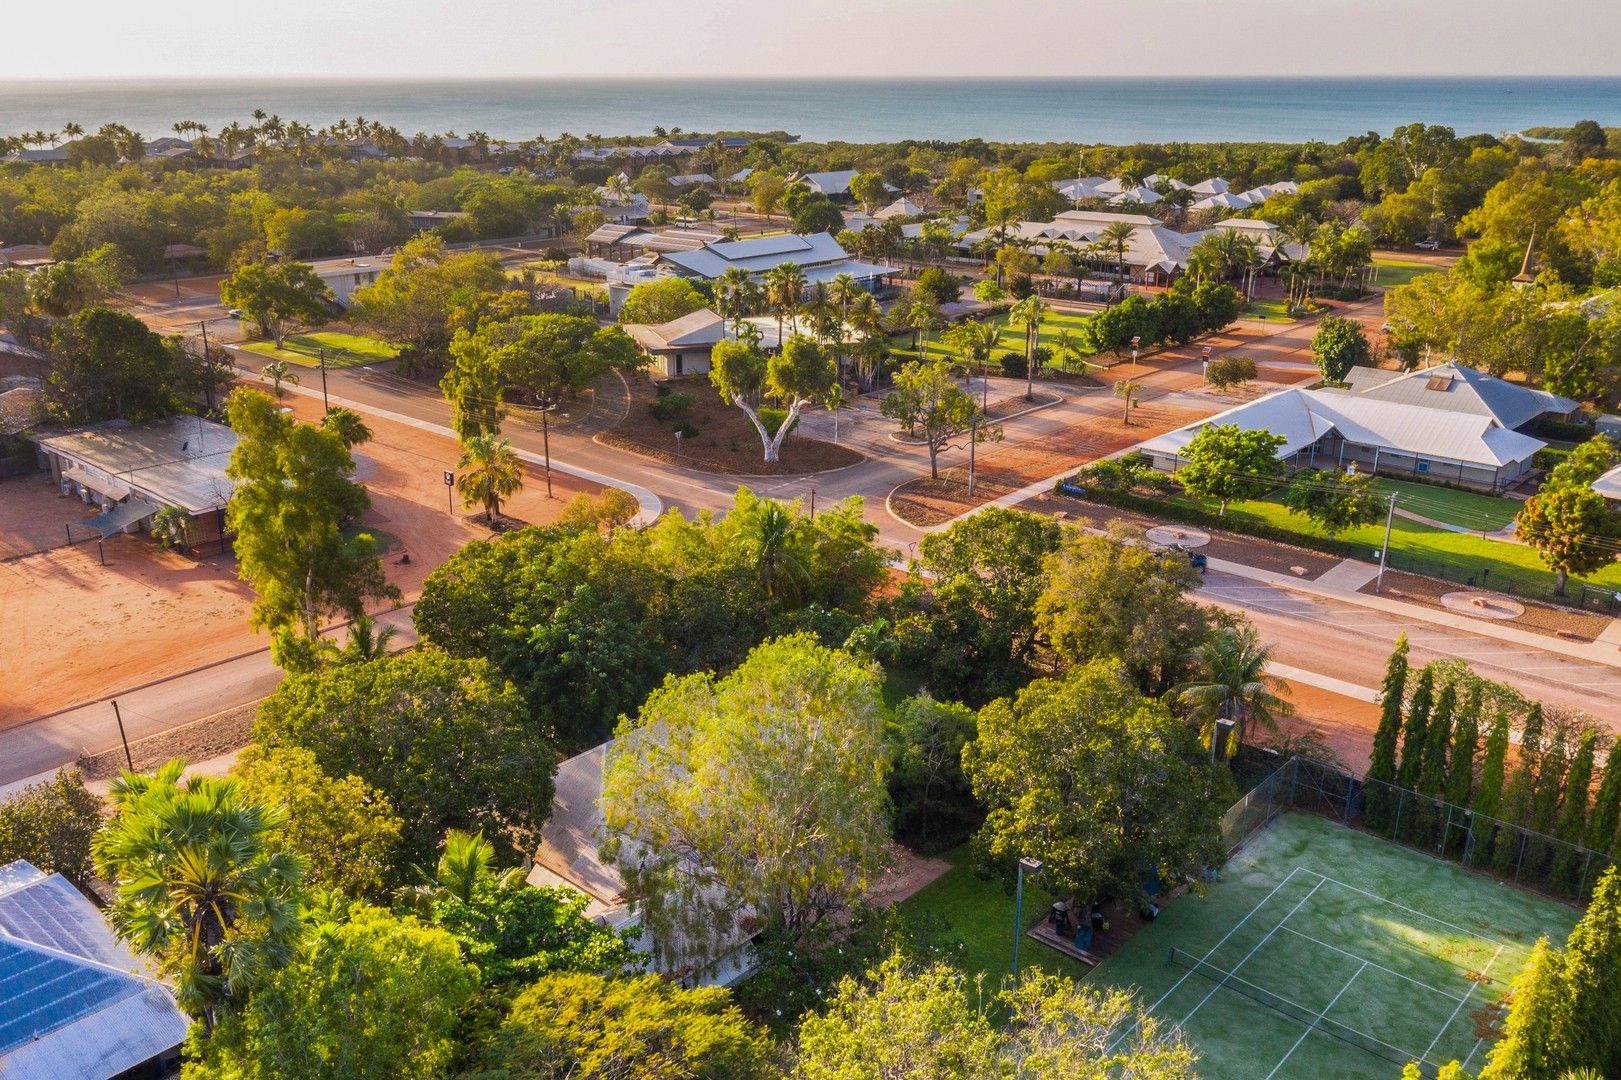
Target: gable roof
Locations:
point(759, 254)
point(829, 183)
point(697, 328)
point(902, 207)
point(1455, 387)
point(70, 1002)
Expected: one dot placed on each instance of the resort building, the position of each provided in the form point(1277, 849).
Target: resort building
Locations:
point(76, 1003)
point(818, 256)
point(1450, 424)
point(835, 185)
point(680, 346)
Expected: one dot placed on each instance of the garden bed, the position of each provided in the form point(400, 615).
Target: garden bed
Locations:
point(724, 440)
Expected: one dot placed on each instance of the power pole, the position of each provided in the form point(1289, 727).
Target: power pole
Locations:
point(128, 760)
point(1384, 552)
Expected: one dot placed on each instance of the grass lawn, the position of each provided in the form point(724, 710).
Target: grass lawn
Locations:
point(1390, 272)
point(1428, 550)
point(979, 914)
point(554, 278)
point(1270, 308)
point(1011, 338)
point(342, 350)
point(1485, 513)
point(1350, 954)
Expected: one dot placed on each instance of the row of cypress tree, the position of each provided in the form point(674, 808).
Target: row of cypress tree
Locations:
point(1444, 776)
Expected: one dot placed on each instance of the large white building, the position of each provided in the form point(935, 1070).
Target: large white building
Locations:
point(818, 256)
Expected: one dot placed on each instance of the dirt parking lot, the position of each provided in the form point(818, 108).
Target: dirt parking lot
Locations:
point(72, 630)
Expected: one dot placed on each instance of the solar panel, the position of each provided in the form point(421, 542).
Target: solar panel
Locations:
point(41, 992)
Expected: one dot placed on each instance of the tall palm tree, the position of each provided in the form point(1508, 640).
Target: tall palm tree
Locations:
point(347, 425)
point(730, 292)
point(784, 284)
point(491, 472)
point(922, 317)
point(843, 291)
point(1234, 684)
point(866, 319)
point(1116, 237)
point(1299, 231)
point(200, 887)
point(72, 130)
point(1029, 312)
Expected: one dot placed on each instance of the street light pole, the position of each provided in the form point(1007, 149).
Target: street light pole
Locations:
point(325, 403)
point(1030, 866)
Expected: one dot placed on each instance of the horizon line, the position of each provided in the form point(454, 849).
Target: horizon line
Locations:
point(1429, 76)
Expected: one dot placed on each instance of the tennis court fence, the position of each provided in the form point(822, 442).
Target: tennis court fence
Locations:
point(1508, 851)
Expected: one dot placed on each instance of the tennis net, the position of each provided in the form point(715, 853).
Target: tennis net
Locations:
point(1311, 1018)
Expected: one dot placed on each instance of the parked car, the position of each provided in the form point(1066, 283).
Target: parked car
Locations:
point(1197, 559)
point(235, 313)
point(1428, 245)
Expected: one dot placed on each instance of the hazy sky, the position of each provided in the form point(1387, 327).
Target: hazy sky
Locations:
point(461, 38)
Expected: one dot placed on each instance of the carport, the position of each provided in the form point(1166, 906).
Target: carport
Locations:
point(131, 511)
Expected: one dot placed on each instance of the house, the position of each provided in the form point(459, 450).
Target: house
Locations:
point(423, 220)
point(680, 346)
point(818, 256)
point(623, 208)
point(569, 857)
point(1213, 186)
point(1222, 201)
point(131, 471)
point(25, 256)
point(345, 276)
point(1609, 485)
point(835, 185)
point(690, 180)
point(1142, 195)
point(73, 1001)
point(1452, 424)
point(47, 155)
point(902, 207)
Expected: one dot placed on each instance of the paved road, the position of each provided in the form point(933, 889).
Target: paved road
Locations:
point(1345, 641)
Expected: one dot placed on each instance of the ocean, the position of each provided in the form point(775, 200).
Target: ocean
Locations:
point(1102, 110)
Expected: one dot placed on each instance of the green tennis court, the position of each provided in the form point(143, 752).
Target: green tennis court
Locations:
point(1326, 952)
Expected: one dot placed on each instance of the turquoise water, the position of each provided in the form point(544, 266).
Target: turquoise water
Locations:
point(1110, 110)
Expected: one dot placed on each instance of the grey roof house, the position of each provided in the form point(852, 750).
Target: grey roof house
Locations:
point(73, 1001)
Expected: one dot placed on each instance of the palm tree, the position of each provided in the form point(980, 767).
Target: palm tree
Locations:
point(1299, 231)
point(492, 472)
point(1234, 684)
point(1030, 312)
point(843, 291)
point(784, 285)
point(1116, 237)
point(731, 292)
point(276, 373)
point(922, 317)
point(71, 130)
point(367, 641)
point(1127, 389)
point(771, 540)
point(347, 425)
point(866, 319)
point(200, 887)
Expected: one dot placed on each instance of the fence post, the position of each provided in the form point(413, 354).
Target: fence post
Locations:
point(1401, 800)
point(1519, 860)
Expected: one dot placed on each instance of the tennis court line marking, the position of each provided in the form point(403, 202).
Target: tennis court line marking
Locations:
point(1212, 951)
point(1414, 911)
point(1381, 967)
point(1311, 1027)
point(1475, 1049)
point(1253, 949)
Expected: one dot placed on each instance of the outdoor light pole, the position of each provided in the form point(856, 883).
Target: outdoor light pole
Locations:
point(547, 404)
point(1204, 361)
point(1136, 341)
point(1027, 865)
point(325, 404)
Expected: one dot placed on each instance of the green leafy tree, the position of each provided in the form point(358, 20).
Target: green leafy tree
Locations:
point(1507, 851)
point(1601, 829)
point(1059, 1029)
point(510, 931)
point(342, 829)
point(51, 823)
point(292, 502)
point(490, 471)
point(1572, 823)
point(932, 405)
point(800, 374)
point(1339, 345)
point(447, 742)
point(1229, 371)
point(108, 365)
point(929, 736)
point(201, 885)
point(579, 1026)
point(1226, 462)
point(1465, 745)
point(1415, 732)
point(1573, 528)
point(1097, 782)
point(1117, 596)
point(1432, 773)
point(373, 994)
point(1232, 684)
point(278, 296)
point(987, 577)
point(660, 300)
point(425, 295)
point(1334, 501)
point(760, 790)
point(69, 286)
point(1382, 763)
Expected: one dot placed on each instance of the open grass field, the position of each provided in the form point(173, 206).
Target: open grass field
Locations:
point(979, 914)
point(342, 350)
point(1011, 338)
point(1325, 952)
point(1271, 308)
point(1467, 509)
point(1389, 272)
point(1425, 549)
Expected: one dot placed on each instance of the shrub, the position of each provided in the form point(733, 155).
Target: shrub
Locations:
point(773, 418)
point(1013, 365)
point(1548, 457)
point(1225, 371)
point(1564, 430)
point(937, 284)
point(671, 406)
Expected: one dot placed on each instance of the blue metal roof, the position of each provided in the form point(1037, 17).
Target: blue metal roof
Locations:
point(41, 991)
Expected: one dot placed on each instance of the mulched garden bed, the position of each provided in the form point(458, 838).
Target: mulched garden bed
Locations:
point(1539, 618)
point(725, 442)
